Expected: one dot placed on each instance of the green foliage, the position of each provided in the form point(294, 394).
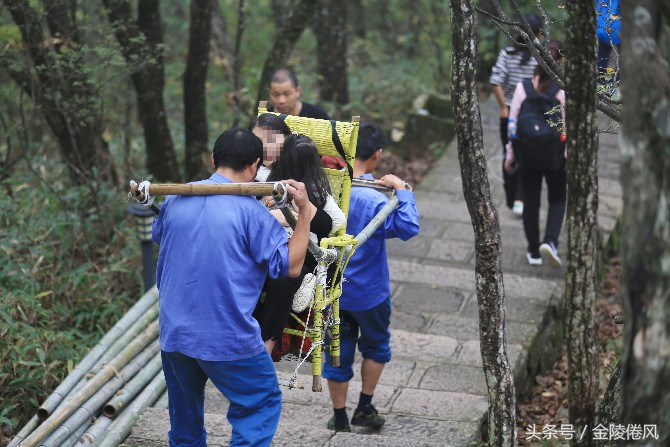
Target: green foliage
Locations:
point(66, 277)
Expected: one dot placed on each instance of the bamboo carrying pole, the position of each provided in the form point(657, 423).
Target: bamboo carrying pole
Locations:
point(90, 408)
point(58, 417)
point(375, 223)
point(98, 351)
point(187, 189)
point(121, 427)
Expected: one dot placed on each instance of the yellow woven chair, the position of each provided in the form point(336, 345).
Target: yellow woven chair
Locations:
point(326, 297)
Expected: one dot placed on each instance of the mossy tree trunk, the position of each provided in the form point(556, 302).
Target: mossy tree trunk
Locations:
point(196, 149)
point(484, 216)
point(645, 177)
point(57, 79)
point(141, 43)
point(330, 28)
point(582, 225)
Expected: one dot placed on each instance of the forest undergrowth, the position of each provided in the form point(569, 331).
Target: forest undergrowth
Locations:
point(547, 404)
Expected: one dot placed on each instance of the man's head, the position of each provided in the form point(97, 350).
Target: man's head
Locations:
point(284, 91)
point(371, 141)
point(239, 150)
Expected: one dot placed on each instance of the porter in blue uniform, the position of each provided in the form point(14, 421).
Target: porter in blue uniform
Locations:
point(365, 303)
point(215, 252)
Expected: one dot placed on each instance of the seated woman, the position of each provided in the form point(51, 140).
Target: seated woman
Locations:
point(299, 161)
point(273, 131)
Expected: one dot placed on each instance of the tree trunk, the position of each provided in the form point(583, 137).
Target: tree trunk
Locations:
point(330, 28)
point(484, 216)
point(196, 149)
point(356, 10)
point(285, 38)
point(645, 177)
point(609, 411)
point(62, 88)
point(224, 46)
point(141, 42)
point(582, 225)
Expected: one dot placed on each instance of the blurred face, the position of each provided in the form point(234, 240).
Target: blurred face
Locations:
point(284, 97)
point(272, 143)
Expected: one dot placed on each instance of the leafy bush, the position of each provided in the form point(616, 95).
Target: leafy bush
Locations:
point(68, 273)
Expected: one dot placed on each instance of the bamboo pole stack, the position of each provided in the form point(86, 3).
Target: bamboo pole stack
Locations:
point(110, 376)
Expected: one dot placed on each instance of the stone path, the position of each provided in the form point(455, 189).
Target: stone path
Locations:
point(433, 392)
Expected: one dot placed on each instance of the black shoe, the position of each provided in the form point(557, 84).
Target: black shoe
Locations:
point(331, 426)
point(368, 418)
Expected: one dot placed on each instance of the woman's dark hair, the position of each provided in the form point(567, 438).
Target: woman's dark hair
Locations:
point(556, 50)
point(300, 161)
point(270, 121)
point(520, 46)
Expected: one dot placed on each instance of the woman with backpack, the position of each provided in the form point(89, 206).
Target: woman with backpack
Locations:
point(514, 64)
point(539, 148)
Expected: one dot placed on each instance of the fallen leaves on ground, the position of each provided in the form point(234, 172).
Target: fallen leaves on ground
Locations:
point(547, 404)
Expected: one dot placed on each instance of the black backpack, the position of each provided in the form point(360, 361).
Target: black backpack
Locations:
point(538, 145)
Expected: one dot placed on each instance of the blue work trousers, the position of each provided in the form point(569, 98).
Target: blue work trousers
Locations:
point(249, 384)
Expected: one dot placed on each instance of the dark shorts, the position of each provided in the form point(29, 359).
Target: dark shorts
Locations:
point(367, 329)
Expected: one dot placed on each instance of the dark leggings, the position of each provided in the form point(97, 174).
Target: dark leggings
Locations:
point(512, 182)
point(531, 181)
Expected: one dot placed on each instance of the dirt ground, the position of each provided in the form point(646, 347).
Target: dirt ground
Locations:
point(548, 403)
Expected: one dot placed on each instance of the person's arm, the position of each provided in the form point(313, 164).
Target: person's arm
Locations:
point(515, 107)
point(335, 213)
point(500, 97)
point(157, 225)
point(561, 99)
point(403, 222)
point(297, 245)
point(497, 80)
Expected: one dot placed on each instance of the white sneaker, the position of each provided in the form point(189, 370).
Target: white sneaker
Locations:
point(305, 293)
point(550, 254)
point(532, 260)
point(517, 208)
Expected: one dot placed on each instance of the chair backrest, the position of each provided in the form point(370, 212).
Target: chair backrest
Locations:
point(345, 135)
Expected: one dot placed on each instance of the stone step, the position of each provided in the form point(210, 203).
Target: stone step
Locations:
point(301, 425)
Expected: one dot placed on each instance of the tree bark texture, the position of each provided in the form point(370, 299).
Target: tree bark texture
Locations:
point(61, 87)
point(285, 38)
point(356, 10)
point(330, 28)
point(582, 225)
point(484, 216)
point(645, 177)
point(196, 149)
point(224, 46)
point(141, 42)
